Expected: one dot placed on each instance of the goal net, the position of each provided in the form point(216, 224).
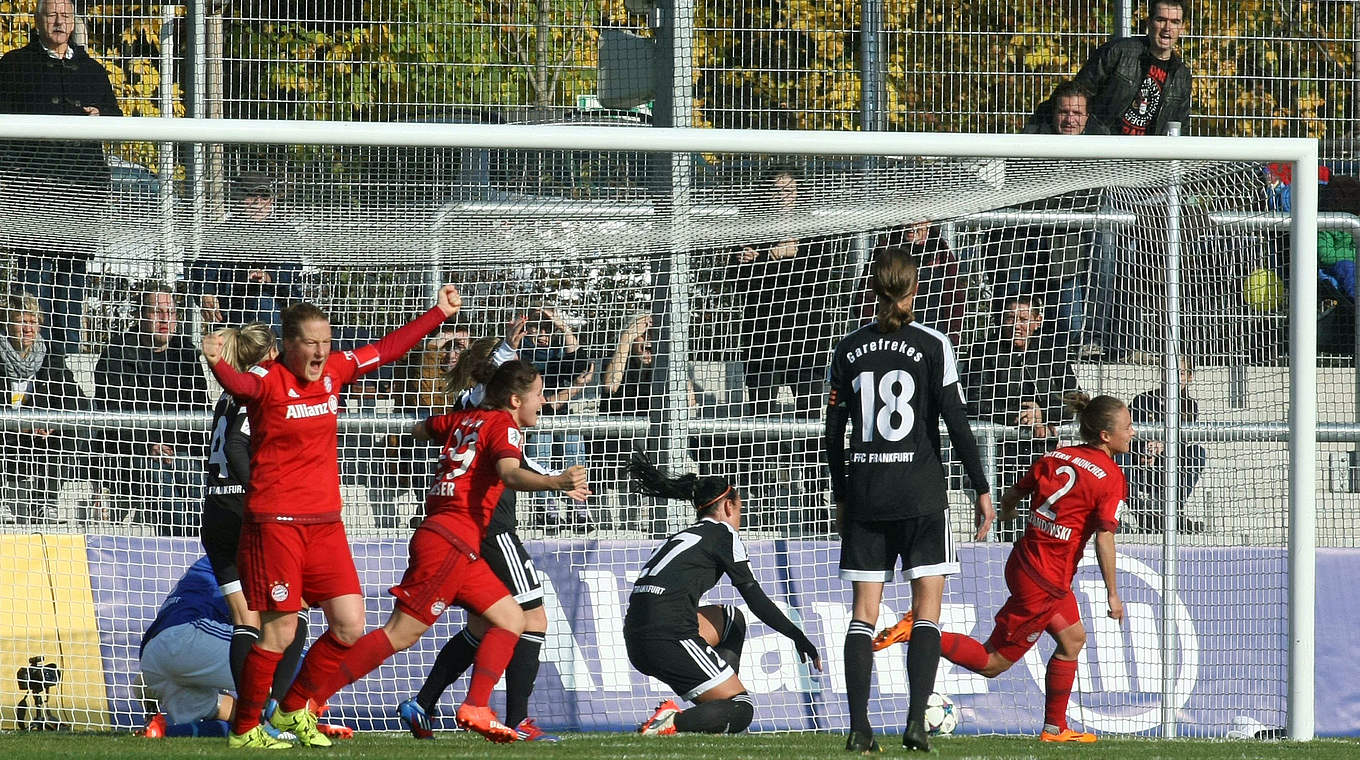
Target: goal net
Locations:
point(685, 306)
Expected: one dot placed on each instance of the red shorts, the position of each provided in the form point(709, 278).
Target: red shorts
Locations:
point(442, 573)
point(283, 563)
point(1029, 612)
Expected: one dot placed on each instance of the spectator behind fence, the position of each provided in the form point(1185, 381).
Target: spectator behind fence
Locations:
point(787, 289)
point(625, 390)
point(941, 295)
point(64, 183)
point(1067, 112)
point(37, 457)
point(244, 274)
point(551, 346)
point(1139, 85)
point(154, 467)
point(1147, 460)
point(1018, 380)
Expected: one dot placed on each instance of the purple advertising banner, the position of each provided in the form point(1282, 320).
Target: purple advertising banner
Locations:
point(1227, 650)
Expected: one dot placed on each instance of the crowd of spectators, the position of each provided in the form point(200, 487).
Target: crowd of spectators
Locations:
point(1047, 288)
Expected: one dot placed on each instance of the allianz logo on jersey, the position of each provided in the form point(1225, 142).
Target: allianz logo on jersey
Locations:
point(302, 411)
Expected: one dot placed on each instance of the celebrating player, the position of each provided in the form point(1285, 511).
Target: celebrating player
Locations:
point(697, 650)
point(1077, 492)
point(228, 473)
point(480, 458)
point(896, 378)
point(293, 544)
point(503, 549)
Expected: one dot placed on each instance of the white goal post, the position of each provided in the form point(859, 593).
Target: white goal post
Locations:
point(684, 215)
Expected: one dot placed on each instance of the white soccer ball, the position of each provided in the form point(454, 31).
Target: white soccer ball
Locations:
point(942, 717)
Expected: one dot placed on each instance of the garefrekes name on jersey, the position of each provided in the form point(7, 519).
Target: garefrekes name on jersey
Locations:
point(885, 344)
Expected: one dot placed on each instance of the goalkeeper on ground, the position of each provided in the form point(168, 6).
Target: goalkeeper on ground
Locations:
point(697, 650)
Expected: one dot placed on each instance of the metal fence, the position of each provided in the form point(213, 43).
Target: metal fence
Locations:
point(1263, 67)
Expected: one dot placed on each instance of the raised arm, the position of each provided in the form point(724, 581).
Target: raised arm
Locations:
point(242, 385)
point(404, 338)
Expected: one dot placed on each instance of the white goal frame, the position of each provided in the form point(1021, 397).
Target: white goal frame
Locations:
point(1301, 154)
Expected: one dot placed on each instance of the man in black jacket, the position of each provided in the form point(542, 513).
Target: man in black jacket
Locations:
point(154, 467)
point(1139, 84)
point(65, 181)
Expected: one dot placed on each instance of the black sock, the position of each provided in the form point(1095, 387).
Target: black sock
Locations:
point(243, 637)
point(453, 660)
point(721, 716)
point(288, 667)
point(859, 672)
point(520, 675)
point(732, 637)
point(923, 660)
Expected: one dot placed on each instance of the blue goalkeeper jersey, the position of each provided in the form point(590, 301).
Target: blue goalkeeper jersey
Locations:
point(195, 599)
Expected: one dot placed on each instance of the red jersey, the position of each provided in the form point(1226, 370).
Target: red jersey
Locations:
point(468, 485)
point(1077, 490)
point(294, 462)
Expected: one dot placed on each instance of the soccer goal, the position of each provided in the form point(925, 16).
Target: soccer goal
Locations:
point(685, 289)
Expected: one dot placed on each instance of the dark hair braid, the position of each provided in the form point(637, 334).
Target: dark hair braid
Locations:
point(705, 493)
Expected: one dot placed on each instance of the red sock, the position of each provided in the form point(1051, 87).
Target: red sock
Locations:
point(318, 669)
point(961, 650)
point(257, 675)
point(492, 656)
point(1058, 690)
point(367, 653)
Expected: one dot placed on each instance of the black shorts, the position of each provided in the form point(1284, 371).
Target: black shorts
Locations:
point(869, 550)
point(689, 666)
point(512, 564)
point(221, 534)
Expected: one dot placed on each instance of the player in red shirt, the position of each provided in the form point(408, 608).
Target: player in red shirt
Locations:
point(480, 458)
point(293, 544)
point(1076, 492)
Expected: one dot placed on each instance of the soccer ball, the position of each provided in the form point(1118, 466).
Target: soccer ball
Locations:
point(942, 717)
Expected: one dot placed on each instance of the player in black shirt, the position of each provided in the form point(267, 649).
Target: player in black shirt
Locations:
point(224, 488)
point(505, 552)
point(896, 378)
point(697, 650)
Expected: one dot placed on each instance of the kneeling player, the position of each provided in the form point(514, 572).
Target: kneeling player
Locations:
point(1076, 491)
point(480, 458)
point(697, 650)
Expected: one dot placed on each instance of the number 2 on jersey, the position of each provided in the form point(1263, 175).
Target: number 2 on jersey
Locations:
point(1046, 510)
point(895, 389)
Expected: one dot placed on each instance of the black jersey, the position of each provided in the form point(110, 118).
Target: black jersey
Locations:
point(896, 387)
point(228, 464)
point(665, 600)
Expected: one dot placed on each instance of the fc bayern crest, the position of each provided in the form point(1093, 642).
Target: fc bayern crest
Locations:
point(279, 592)
point(438, 607)
point(327, 382)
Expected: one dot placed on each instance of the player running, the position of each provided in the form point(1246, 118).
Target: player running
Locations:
point(480, 458)
point(503, 549)
point(697, 650)
point(293, 543)
point(1076, 492)
point(896, 378)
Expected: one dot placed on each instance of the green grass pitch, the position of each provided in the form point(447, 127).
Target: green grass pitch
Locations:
point(597, 745)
